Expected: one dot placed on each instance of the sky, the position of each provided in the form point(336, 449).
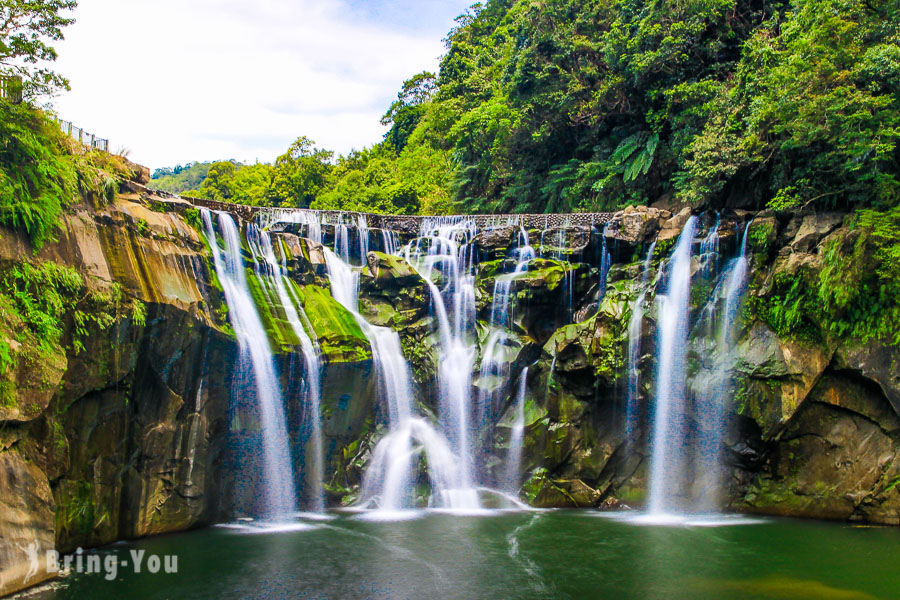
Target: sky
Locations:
point(175, 81)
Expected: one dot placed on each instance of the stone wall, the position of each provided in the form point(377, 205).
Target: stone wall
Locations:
point(410, 224)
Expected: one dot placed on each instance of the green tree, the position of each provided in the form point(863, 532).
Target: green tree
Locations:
point(300, 174)
point(27, 29)
point(219, 181)
point(407, 110)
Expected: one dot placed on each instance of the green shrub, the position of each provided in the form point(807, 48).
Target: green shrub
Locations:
point(48, 297)
point(42, 171)
point(37, 176)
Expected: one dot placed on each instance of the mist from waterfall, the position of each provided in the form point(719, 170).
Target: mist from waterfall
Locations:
point(711, 395)
point(279, 495)
point(687, 469)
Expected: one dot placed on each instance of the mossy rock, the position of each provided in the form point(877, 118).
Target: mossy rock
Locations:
point(543, 492)
point(340, 336)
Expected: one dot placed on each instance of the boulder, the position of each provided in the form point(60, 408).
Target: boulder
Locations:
point(836, 459)
point(671, 229)
point(495, 238)
point(392, 271)
point(876, 361)
point(635, 225)
point(778, 375)
point(813, 228)
point(763, 232)
point(565, 240)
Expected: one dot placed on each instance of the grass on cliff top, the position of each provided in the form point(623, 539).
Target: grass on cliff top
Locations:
point(42, 171)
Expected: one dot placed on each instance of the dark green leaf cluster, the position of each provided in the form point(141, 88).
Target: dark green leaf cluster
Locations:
point(559, 105)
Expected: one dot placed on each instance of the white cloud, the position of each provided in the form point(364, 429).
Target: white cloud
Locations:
point(182, 80)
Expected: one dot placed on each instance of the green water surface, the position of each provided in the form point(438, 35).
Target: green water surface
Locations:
point(551, 554)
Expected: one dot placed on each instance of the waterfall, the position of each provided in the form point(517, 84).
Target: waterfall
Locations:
point(342, 242)
point(362, 227)
point(388, 480)
point(524, 251)
point(494, 369)
point(709, 248)
point(260, 243)
point(278, 476)
point(735, 289)
point(605, 263)
point(711, 401)
point(389, 240)
point(635, 326)
point(669, 427)
point(516, 436)
point(344, 282)
point(451, 256)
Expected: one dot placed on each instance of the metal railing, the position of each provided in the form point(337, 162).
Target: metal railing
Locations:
point(88, 139)
point(11, 88)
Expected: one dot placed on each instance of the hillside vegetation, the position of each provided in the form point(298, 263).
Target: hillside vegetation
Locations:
point(566, 105)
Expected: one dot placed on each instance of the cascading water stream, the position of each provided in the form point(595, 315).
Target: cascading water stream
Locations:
point(635, 326)
point(389, 240)
point(362, 228)
point(516, 436)
point(669, 427)
point(494, 368)
point(388, 481)
point(605, 263)
point(260, 243)
point(452, 256)
point(711, 402)
point(280, 497)
point(342, 242)
point(735, 290)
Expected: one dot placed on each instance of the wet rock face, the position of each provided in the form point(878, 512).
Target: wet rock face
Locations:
point(496, 240)
point(26, 521)
point(146, 451)
point(124, 437)
point(836, 458)
point(565, 241)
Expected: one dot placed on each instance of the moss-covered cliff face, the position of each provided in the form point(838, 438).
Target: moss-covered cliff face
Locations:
point(812, 410)
point(118, 366)
point(115, 409)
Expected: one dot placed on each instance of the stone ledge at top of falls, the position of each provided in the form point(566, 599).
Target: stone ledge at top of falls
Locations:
point(411, 224)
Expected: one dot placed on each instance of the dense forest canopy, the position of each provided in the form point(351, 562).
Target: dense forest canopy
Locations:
point(567, 105)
